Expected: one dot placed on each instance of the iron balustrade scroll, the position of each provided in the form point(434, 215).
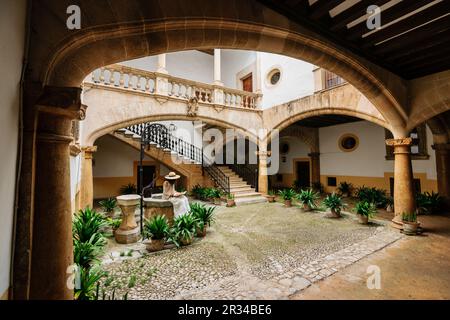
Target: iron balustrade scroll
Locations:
point(218, 176)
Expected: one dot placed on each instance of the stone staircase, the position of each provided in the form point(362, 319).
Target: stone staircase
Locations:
point(242, 191)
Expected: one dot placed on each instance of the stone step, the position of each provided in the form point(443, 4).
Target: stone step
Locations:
point(250, 200)
point(246, 194)
point(239, 185)
point(245, 189)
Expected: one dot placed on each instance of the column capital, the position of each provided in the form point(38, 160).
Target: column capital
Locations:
point(62, 101)
point(88, 151)
point(402, 142)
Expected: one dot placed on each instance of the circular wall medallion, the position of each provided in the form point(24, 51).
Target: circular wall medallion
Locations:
point(273, 77)
point(348, 142)
point(284, 148)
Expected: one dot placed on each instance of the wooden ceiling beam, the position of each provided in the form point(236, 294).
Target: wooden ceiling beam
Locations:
point(321, 8)
point(340, 21)
point(387, 16)
point(404, 25)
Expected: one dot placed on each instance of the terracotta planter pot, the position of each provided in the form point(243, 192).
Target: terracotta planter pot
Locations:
point(335, 214)
point(230, 203)
point(155, 245)
point(270, 198)
point(217, 201)
point(186, 242)
point(410, 228)
point(363, 219)
point(201, 233)
point(288, 203)
point(306, 207)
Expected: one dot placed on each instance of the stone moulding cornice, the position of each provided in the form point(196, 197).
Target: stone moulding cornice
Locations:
point(62, 101)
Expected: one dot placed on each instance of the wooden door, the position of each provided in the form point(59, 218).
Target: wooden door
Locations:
point(247, 83)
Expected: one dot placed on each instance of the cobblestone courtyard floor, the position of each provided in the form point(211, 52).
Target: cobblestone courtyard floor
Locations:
point(260, 251)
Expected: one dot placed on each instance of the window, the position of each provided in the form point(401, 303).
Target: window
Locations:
point(418, 147)
point(331, 181)
point(332, 80)
point(273, 77)
point(348, 142)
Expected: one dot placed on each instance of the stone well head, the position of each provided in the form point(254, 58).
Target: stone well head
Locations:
point(128, 200)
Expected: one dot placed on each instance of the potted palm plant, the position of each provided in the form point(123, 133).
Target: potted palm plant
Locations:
point(108, 206)
point(230, 200)
point(345, 189)
point(410, 223)
point(204, 216)
point(156, 229)
point(128, 189)
point(308, 198)
point(335, 204)
point(364, 211)
point(271, 196)
point(184, 229)
point(287, 195)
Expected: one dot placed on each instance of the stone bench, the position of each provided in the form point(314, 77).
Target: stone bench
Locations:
point(156, 205)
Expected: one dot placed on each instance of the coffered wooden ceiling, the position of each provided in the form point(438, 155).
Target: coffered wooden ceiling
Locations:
point(413, 41)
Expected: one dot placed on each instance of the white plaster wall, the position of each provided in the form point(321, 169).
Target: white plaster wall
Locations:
point(233, 62)
point(297, 149)
point(192, 65)
point(114, 158)
point(12, 39)
point(368, 160)
point(185, 130)
point(297, 79)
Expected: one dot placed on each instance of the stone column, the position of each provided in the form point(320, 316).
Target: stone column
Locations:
point(87, 179)
point(263, 179)
point(52, 251)
point(162, 64)
point(315, 167)
point(217, 68)
point(442, 152)
point(404, 193)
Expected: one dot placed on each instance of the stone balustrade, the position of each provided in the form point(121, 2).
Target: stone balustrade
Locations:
point(158, 84)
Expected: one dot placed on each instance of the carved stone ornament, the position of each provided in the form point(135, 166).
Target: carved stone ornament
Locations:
point(399, 142)
point(192, 107)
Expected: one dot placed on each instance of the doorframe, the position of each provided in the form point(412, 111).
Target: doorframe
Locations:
point(294, 167)
point(145, 163)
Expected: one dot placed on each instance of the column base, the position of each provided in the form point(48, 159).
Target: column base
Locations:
point(127, 236)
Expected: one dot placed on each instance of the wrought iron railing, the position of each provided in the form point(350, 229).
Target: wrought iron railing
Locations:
point(221, 180)
point(159, 135)
point(249, 173)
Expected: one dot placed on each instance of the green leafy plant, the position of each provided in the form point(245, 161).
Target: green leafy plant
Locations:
point(428, 202)
point(230, 196)
point(373, 195)
point(86, 253)
point(308, 198)
point(88, 223)
point(156, 228)
point(334, 203)
point(197, 191)
point(318, 187)
point(365, 208)
point(409, 217)
point(272, 192)
point(184, 228)
point(203, 214)
point(128, 189)
point(287, 194)
point(89, 278)
point(214, 193)
point(345, 189)
point(132, 281)
point(108, 205)
point(114, 223)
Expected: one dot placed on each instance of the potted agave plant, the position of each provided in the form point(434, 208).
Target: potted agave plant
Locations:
point(287, 195)
point(230, 200)
point(184, 229)
point(115, 224)
point(215, 194)
point(364, 211)
point(271, 196)
point(410, 223)
point(308, 198)
point(345, 189)
point(204, 216)
point(335, 204)
point(156, 229)
point(108, 206)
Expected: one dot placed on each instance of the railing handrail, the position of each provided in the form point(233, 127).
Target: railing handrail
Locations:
point(247, 173)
